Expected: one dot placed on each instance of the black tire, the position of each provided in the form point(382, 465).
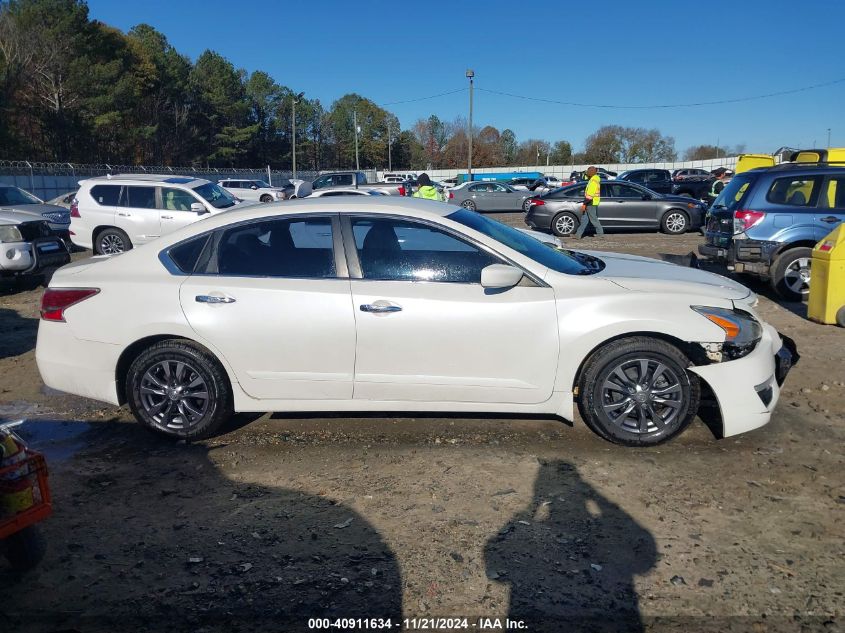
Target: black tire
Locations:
point(266, 198)
point(565, 224)
point(840, 317)
point(112, 241)
point(469, 204)
point(525, 204)
point(674, 222)
point(163, 400)
point(791, 273)
point(26, 548)
point(598, 402)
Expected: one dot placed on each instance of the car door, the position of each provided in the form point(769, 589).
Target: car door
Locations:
point(504, 198)
point(275, 302)
point(429, 332)
point(138, 215)
point(831, 207)
point(658, 180)
point(638, 207)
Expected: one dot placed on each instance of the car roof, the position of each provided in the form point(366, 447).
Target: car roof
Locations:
point(170, 179)
point(810, 168)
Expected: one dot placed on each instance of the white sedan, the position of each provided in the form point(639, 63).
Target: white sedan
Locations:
point(346, 191)
point(374, 303)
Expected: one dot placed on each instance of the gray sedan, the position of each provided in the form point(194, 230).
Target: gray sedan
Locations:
point(489, 196)
point(623, 206)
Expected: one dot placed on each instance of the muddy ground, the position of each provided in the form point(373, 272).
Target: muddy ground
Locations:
point(282, 518)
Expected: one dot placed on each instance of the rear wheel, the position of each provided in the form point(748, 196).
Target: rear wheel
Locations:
point(526, 204)
point(637, 392)
point(674, 222)
point(468, 204)
point(111, 242)
point(179, 389)
point(564, 224)
point(266, 198)
point(791, 273)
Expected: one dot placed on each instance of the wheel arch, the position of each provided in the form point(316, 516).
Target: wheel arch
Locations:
point(805, 243)
point(132, 351)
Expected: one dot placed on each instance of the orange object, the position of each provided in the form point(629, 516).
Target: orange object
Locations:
point(24, 492)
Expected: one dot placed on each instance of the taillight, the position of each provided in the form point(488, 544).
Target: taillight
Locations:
point(745, 219)
point(536, 202)
point(401, 191)
point(451, 195)
point(56, 300)
point(74, 209)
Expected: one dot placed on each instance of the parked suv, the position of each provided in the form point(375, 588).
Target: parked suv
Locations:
point(28, 245)
point(111, 214)
point(767, 220)
point(257, 190)
point(659, 180)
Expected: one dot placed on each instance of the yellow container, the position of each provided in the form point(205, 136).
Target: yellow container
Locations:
point(744, 162)
point(826, 303)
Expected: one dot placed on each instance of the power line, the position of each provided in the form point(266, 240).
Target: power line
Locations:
point(442, 94)
point(673, 105)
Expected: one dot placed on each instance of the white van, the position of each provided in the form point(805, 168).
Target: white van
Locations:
point(111, 214)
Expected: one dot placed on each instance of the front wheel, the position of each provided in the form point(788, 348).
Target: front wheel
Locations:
point(637, 392)
point(266, 198)
point(564, 224)
point(179, 389)
point(674, 222)
point(468, 204)
point(791, 273)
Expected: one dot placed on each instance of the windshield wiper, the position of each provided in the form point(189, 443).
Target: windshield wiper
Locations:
point(718, 206)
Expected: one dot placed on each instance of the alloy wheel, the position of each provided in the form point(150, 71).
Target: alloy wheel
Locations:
point(797, 276)
point(174, 394)
point(111, 244)
point(642, 395)
point(676, 222)
point(564, 225)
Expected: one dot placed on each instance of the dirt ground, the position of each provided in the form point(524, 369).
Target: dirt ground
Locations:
point(283, 518)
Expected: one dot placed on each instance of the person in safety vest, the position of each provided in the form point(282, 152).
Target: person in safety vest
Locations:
point(426, 189)
point(590, 206)
point(717, 186)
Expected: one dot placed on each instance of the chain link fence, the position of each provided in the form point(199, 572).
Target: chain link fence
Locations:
point(50, 180)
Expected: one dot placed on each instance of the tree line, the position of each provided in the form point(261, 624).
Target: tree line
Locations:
point(74, 89)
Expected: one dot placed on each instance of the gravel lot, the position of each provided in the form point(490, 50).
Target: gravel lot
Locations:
point(285, 517)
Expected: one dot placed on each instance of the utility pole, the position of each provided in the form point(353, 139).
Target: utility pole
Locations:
point(296, 99)
point(470, 74)
point(355, 123)
point(389, 157)
point(828, 137)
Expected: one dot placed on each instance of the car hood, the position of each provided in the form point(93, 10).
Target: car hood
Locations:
point(15, 216)
point(34, 208)
point(652, 275)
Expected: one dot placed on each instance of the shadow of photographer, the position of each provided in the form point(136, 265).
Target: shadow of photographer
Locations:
point(570, 558)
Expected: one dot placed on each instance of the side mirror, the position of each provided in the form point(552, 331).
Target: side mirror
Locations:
point(253, 187)
point(646, 196)
point(500, 276)
point(199, 208)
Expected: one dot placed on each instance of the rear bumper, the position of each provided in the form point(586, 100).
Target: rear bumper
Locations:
point(748, 389)
point(741, 255)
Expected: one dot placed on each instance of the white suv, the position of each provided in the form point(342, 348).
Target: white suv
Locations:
point(256, 190)
point(111, 214)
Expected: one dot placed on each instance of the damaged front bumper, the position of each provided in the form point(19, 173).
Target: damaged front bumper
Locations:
point(747, 389)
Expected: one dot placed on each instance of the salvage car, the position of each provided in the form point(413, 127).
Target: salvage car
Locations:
point(624, 205)
point(379, 303)
point(28, 246)
point(488, 196)
point(16, 199)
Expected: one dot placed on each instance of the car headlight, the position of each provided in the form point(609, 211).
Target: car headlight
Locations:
point(742, 331)
point(10, 233)
point(280, 195)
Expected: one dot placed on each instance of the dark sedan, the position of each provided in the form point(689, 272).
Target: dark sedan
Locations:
point(623, 205)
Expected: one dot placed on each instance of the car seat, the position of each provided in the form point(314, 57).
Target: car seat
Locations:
point(380, 250)
point(798, 199)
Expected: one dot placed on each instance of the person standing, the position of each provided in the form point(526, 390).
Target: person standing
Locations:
point(590, 206)
point(426, 189)
point(718, 185)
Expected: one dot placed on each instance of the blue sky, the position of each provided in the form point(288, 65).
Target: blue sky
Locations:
point(620, 53)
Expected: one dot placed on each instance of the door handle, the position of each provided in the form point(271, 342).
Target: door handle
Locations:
point(125, 215)
point(830, 219)
point(167, 217)
point(380, 308)
point(214, 299)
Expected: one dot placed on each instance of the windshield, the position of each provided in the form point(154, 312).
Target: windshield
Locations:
point(260, 184)
point(13, 195)
point(549, 255)
point(215, 195)
point(733, 193)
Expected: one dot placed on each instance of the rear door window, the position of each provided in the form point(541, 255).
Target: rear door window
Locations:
point(795, 191)
point(834, 194)
point(140, 197)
